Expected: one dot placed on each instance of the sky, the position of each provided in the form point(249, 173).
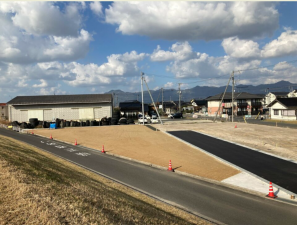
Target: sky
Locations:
point(51, 48)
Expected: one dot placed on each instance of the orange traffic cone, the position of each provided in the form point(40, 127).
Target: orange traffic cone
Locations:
point(170, 166)
point(51, 137)
point(32, 132)
point(271, 194)
point(103, 149)
point(235, 125)
point(75, 142)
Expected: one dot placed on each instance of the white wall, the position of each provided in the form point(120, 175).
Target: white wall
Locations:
point(278, 106)
point(67, 112)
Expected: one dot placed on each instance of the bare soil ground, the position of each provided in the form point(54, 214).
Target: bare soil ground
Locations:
point(143, 144)
point(38, 188)
point(275, 140)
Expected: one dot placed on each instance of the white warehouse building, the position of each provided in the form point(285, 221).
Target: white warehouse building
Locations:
point(67, 107)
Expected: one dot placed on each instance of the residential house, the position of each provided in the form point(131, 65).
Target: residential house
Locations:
point(199, 105)
point(3, 111)
point(284, 108)
point(244, 104)
point(132, 108)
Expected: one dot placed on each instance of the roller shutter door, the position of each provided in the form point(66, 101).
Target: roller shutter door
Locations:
point(24, 116)
point(86, 113)
point(35, 114)
point(48, 115)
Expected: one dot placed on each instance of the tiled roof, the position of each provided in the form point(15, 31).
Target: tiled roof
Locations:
point(60, 99)
point(290, 103)
point(280, 93)
point(240, 95)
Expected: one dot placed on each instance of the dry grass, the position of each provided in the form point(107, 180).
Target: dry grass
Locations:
point(38, 188)
point(280, 121)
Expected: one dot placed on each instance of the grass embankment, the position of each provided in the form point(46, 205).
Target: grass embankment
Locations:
point(38, 188)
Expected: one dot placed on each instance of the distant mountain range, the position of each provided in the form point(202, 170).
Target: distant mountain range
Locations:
point(199, 92)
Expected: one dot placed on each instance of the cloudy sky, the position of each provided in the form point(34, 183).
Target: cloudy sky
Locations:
point(94, 47)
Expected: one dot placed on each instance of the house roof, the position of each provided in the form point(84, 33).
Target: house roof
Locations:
point(199, 102)
point(280, 94)
point(60, 99)
point(2, 104)
point(133, 105)
point(290, 103)
point(238, 95)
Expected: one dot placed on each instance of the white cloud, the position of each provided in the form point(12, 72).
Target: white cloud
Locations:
point(42, 84)
point(180, 51)
point(96, 8)
point(18, 46)
point(286, 44)
point(44, 18)
point(168, 85)
point(193, 20)
point(244, 49)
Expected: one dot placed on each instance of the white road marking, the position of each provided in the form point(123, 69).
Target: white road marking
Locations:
point(83, 153)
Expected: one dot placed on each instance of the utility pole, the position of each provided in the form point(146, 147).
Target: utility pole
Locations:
point(153, 101)
point(179, 93)
point(232, 94)
point(162, 103)
point(142, 97)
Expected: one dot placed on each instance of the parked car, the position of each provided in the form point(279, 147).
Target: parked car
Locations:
point(177, 115)
point(154, 119)
point(146, 120)
point(170, 116)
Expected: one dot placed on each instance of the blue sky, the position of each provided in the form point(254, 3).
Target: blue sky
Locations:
point(94, 47)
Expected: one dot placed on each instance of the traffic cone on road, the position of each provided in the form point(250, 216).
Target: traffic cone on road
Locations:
point(170, 166)
point(271, 194)
point(103, 149)
point(75, 142)
point(51, 137)
point(235, 125)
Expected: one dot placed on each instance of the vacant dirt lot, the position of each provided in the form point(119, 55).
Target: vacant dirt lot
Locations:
point(141, 143)
point(275, 140)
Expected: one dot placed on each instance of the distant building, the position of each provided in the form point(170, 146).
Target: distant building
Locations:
point(244, 104)
point(132, 108)
point(3, 111)
point(199, 105)
point(284, 108)
point(67, 107)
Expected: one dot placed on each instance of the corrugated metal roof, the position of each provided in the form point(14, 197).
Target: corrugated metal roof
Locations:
point(228, 96)
point(60, 99)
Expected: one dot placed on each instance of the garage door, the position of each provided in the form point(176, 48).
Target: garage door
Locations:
point(86, 113)
point(35, 114)
point(48, 114)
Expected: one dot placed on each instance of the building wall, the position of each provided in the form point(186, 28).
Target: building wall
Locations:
point(67, 112)
point(3, 112)
point(279, 107)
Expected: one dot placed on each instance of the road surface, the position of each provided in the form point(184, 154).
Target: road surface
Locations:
point(216, 203)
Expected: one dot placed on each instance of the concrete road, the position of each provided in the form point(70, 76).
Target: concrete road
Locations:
point(217, 203)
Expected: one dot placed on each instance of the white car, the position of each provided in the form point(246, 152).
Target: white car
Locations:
point(146, 120)
point(154, 119)
point(170, 116)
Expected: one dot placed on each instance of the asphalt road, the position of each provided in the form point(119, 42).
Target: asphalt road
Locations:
point(212, 201)
point(276, 170)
